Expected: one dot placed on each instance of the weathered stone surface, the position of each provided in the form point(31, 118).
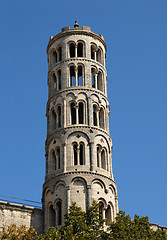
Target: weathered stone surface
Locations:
point(11, 213)
point(78, 144)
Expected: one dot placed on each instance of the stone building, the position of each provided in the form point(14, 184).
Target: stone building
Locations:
point(78, 144)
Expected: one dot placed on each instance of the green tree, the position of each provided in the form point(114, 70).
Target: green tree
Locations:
point(51, 234)
point(125, 228)
point(88, 225)
point(13, 232)
point(83, 225)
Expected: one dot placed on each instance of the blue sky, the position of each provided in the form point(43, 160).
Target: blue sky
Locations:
point(136, 36)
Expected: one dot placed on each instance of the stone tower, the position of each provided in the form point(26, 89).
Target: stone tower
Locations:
point(78, 144)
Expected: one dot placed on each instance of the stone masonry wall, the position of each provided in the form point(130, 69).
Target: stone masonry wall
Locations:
point(11, 213)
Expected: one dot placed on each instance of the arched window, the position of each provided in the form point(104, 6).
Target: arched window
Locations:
point(80, 77)
point(103, 159)
point(101, 210)
point(72, 50)
point(51, 216)
point(53, 160)
point(93, 52)
point(75, 154)
point(93, 77)
point(57, 158)
point(94, 115)
point(59, 77)
point(101, 118)
point(98, 156)
point(99, 56)
point(108, 215)
point(72, 76)
point(54, 54)
point(73, 113)
point(59, 213)
point(99, 81)
point(81, 113)
point(54, 78)
point(80, 50)
point(53, 119)
point(60, 53)
point(81, 153)
point(59, 116)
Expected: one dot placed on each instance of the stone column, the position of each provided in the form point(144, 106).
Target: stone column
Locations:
point(77, 113)
point(78, 158)
point(92, 156)
point(95, 55)
point(75, 50)
point(76, 76)
point(89, 195)
point(96, 80)
point(97, 115)
point(89, 112)
point(116, 206)
point(67, 198)
point(64, 157)
point(64, 113)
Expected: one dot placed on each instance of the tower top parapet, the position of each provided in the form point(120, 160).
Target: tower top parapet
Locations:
point(65, 31)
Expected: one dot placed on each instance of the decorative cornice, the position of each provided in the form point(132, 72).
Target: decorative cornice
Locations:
point(17, 207)
point(76, 128)
point(77, 88)
point(75, 32)
point(58, 64)
point(78, 173)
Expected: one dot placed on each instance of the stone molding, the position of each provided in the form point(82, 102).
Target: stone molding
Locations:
point(75, 32)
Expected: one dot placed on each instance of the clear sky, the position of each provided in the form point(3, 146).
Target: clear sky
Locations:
point(136, 36)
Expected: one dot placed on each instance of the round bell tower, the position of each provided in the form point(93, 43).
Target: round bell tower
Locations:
point(78, 144)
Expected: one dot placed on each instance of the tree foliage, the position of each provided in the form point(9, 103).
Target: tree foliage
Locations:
point(80, 225)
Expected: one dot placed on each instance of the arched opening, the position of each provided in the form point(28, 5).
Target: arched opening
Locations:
point(72, 50)
point(80, 50)
point(54, 54)
point(59, 213)
point(51, 216)
point(75, 153)
point(108, 215)
point(93, 77)
point(98, 156)
point(54, 78)
point(103, 159)
point(93, 52)
point(81, 153)
point(80, 77)
point(99, 81)
point(58, 157)
point(94, 115)
point(101, 210)
point(54, 119)
point(81, 113)
point(59, 116)
point(60, 53)
point(99, 56)
point(72, 76)
point(59, 77)
point(101, 118)
point(73, 113)
point(53, 160)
